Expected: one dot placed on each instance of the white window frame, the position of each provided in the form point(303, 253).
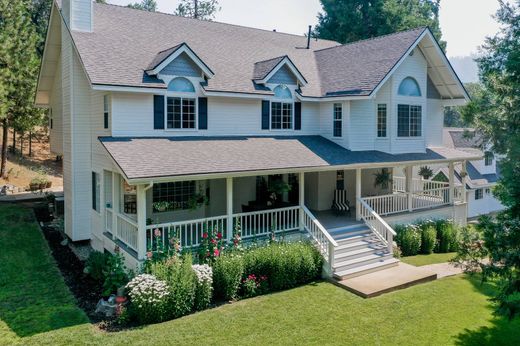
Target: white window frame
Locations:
point(97, 187)
point(335, 120)
point(107, 103)
point(488, 154)
point(181, 96)
point(410, 105)
point(386, 120)
point(481, 193)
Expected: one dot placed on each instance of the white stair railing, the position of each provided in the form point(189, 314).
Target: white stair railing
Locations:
point(324, 241)
point(376, 224)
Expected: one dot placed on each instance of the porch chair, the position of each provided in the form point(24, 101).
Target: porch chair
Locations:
point(340, 204)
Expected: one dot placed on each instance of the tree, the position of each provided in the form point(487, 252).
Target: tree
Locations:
point(352, 20)
point(198, 9)
point(18, 67)
point(453, 116)
point(495, 111)
point(40, 13)
point(145, 5)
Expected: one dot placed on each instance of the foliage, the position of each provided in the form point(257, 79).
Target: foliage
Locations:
point(115, 274)
point(227, 274)
point(145, 5)
point(161, 206)
point(447, 236)
point(383, 178)
point(408, 239)
point(425, 172)
point(352, 20)
point(204, 286)
point(212, 245)
point(471, 250)
point(428, 239)
point(148, 298)
point(198, 9)
point(253, 285)
point(96, 264)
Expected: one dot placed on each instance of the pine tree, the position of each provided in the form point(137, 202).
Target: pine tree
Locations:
point(198, 9)
point(145, 5)
point(19, 65)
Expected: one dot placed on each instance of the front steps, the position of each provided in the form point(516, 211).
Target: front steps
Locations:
point(359, 252)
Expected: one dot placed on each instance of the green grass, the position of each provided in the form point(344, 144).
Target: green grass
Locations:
point(422, 260)
point(37, 309)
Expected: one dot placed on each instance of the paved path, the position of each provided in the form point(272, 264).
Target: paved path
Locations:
point(443, 269)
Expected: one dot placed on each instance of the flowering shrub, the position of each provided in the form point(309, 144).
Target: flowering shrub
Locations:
point(227, 274)
point(253, 285)
point(204, 288)
point(237, 236)
point(148, 296)
point(212, 245)
point(164, 244)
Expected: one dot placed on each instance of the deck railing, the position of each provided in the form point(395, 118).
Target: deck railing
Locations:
point(127, 231)
point(378, 226)
point(108, 220)
point(260, 223)
point(431, 198)
point(399, 184)
point(324, 241)
point(388, 204)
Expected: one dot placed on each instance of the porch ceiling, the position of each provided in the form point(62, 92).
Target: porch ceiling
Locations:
point(147, 158)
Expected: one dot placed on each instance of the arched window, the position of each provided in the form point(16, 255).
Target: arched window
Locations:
point(409, 87)
point(181, 84)
point(282, 92)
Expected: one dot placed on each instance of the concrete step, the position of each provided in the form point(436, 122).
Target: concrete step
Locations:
point(352, 238)
point(376, 249)
point(351, 245)
point(342, 234)
point(366, 269)
point(360, 261)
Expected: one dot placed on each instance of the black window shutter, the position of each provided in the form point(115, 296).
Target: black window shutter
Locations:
point(297, 115)
point(94, 197)
point(265, 115)
point(158, 112)
point(203, 113)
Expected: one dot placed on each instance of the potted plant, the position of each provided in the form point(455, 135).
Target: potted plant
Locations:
point(425, 172)
point(34, 184)
point(161, 206)
point(383, 178)
point(197, 201)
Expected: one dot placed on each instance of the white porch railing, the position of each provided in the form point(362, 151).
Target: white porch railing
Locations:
point(431, 198)
point(188, 233)
point(399, 184)
point(260, 223)
point(388, 204)
point(324, 241)
point(127, 231)
point(108, 220)
point(378, 226)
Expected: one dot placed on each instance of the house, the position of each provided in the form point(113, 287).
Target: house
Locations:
point(169, 126)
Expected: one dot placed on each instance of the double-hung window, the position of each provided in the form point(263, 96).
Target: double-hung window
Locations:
point(488, 158)
point(479, 194)
point(96, 191)
point(106, 111)
point(180, 113)
point(338, 120)
point(409, 121)
point(281, 115)
point(381, 120)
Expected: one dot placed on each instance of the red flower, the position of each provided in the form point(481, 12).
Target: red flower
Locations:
point(213, 241)
point(205, 235)
point(216, 252)
point(219, 235)
point(149, 254)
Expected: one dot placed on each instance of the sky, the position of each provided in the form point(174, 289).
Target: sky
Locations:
point(464, 23)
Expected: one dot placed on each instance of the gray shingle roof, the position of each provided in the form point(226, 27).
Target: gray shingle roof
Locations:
point(455, 137)
point(166, 156)
point(163, 55)
point(262, 68)
point(125, 42)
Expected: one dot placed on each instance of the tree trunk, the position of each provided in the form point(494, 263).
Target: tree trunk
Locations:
point(3, 160)
point(30, 144)
point(21, 144)
point(14, 142)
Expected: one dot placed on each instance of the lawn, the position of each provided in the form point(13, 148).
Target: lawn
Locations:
point(37, 309)
point(422, 260)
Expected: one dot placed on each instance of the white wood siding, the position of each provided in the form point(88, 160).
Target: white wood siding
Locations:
point(56, 133)
point(81, 18)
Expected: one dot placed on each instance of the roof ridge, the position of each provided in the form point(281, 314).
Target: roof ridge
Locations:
point(210, 21)
point(278, 57)
point(374, 38)
point(172, 47)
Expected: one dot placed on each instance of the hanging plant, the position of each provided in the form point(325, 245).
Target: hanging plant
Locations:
point(425, 172)
point(383, 178)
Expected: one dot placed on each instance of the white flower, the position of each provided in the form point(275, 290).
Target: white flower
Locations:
point(204, 273)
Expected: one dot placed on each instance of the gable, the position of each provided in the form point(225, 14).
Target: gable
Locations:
point(431, 90)
point(283, 76)
point(182, 66)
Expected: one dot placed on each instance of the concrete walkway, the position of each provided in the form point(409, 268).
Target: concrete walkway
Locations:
point(443, 269)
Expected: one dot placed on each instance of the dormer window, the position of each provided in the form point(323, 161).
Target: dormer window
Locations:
point(181, 111)
point(409, 87)
point(282, 109)
point(181, 84)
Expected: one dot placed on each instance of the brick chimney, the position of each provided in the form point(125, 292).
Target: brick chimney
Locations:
point(78, 14)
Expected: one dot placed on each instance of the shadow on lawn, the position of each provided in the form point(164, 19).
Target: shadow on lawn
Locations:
point(502, 332)
point(33, 296)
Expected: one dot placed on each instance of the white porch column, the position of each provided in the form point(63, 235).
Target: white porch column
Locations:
point(115, 203)
point(451, 177)
point(141, 222)
point(409, 186)
point(229, 208)
point(358, 193)
point(464, 176)
point(301, 197)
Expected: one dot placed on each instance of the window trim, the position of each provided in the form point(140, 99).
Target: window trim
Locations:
point(421, 136)
point(181, 96)
point(281, 102)
point(488, 155)
point(410, 78)
point(386, 121)
point(336, 120)
point(96, 192)
point(185, 207)
point(479, 192)
point(107, 103)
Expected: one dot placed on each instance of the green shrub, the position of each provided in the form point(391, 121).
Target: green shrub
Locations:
point(181, 280)
point(428, 239)
point(96, 264)
point(408, 239)
point(227, 273)
point(447, 234)
point(285, 265)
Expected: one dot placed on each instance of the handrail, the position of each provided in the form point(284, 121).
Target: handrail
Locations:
point(319, 225)
point(265, 211)
point(178, 223)
point(127, 219)
point(376, 224)
point(376, 216)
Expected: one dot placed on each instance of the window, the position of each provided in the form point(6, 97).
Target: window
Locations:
point(106, 110)
point(488, 158)
point(50, 119)
point(409, 121)
point(282, 92)
point(340, 180)
point(180, 113)
point(338, 119)
point(281, 115)
point(409, 87)
point(181, 85)
point(381, 120)
point(177, 194)
point(129, 198)
point(96, 187)
point(479, 194)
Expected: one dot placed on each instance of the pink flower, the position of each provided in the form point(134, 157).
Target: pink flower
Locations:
point(213, 241)
point(219, 235)
point(157, 232)
point(216, 252)
point(149, 254)
point(205, 235)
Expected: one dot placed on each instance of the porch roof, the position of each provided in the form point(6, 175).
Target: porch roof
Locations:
point(142, 158)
